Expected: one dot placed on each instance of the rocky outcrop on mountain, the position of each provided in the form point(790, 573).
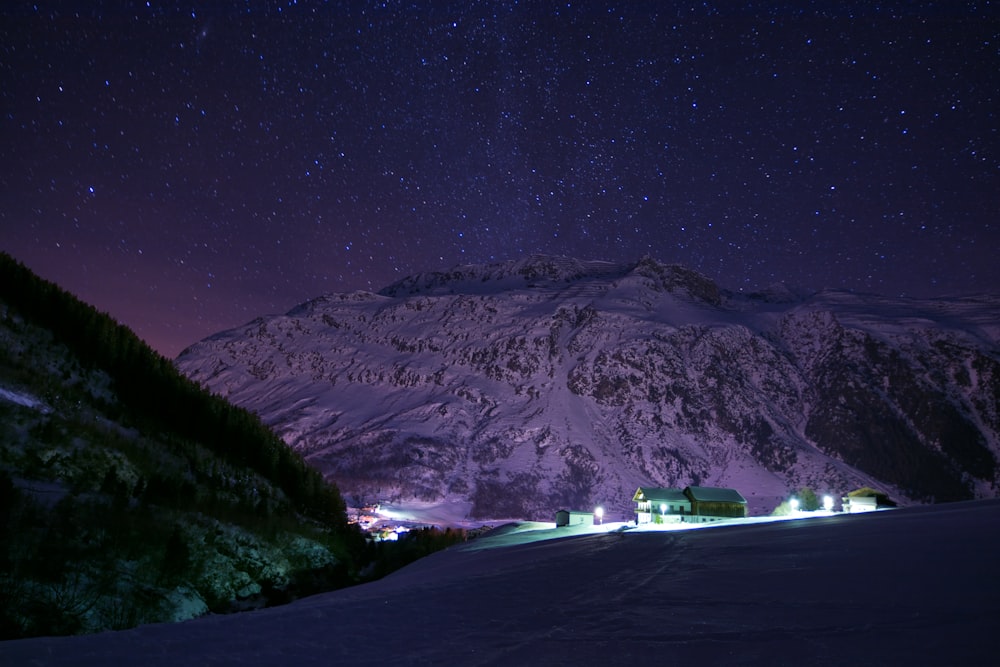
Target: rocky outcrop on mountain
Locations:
point(522, 387)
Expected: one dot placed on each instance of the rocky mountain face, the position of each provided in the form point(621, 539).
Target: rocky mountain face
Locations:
point(520, 388)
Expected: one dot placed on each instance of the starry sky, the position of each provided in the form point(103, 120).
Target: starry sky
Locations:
point(187, 167)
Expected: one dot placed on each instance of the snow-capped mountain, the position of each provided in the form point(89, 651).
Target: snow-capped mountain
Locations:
point(522, 387)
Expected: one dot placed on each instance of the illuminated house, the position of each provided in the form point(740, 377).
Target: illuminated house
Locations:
point(659, 505)
point(693, 504)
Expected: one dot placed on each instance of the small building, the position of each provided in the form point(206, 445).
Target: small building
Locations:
point(693, 504)
point(856, 504)
point(574, 518)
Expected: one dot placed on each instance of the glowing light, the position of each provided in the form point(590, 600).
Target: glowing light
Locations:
point(599, 514)
point(828, 503)
point(794, 504)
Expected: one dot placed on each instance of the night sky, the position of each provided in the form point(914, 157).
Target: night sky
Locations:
point(188, 168)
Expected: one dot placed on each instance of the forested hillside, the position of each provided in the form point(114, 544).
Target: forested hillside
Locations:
point(128, 494)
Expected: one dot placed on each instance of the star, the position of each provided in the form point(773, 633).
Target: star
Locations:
point(288, 151)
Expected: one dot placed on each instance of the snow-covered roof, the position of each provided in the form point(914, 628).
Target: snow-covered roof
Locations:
point(659, 494)
point(715, 494)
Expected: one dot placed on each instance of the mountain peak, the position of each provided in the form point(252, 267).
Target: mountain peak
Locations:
point(553, 272)
point(534, 271)
point(679, 278)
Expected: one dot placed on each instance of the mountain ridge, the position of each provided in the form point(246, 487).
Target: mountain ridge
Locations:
point(520, 387)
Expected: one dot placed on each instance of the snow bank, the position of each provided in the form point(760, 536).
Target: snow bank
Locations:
point(23, 399)
point(915, 586)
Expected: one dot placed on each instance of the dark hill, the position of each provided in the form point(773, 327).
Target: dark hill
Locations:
point(128, 494)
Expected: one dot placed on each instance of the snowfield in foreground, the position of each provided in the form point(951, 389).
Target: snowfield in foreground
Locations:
point(917, 586)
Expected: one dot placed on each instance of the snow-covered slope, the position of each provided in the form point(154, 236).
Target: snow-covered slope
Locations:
point(914, 587)
point(514, 389)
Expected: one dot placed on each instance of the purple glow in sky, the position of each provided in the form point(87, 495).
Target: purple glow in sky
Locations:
point(187, 169)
